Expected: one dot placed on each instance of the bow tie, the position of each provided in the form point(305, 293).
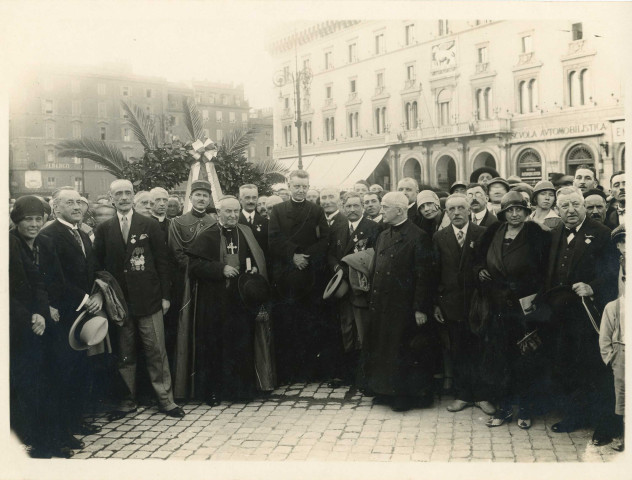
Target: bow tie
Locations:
point(570, 230)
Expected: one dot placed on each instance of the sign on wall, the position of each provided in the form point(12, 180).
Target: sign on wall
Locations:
point(33, 179)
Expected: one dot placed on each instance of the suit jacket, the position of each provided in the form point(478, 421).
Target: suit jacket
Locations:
point(297, 230)
point(342, 243)
point(413, 214)
point(77, 270)
point(612, 218)
point(454, 271)
point(594, 260)
point(141, 267)
point(259, 229)
point(488, 220)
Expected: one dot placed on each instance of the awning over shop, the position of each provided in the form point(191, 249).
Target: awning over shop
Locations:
point(339, 169)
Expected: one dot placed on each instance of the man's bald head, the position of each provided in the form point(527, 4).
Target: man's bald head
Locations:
point(395, 207)
point(409, 187)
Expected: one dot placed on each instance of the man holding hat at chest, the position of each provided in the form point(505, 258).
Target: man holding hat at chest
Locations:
point(225, 260)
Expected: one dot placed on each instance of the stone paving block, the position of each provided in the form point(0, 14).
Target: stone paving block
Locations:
point(140, 454)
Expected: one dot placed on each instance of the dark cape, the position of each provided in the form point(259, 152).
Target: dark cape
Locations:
point(221, 354)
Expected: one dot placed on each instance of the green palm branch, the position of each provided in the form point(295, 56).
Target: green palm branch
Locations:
point(192, 119)
point(271, 168)
point(105, 154)
point(142, 126)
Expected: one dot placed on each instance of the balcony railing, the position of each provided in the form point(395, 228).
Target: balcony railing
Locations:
point(410, 83)
point(482, 67)
point(379, 90)
point(525, 58)
point(329, 102)
point(452, 130)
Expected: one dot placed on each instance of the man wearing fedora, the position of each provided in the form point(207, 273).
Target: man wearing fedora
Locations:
point(132, 248)
point(581, 280)
point(298, 235)
point(400, 303)
point(222, 259)
point(358, 234)
point(75, 252)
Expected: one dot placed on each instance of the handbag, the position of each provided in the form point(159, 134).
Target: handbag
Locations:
point(536, 309)
point(530, 343)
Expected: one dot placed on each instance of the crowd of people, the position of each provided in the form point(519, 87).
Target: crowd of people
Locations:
point(495, 292)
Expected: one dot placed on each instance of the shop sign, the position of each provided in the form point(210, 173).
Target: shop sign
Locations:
point(531, 174)
point(33, 179)
point(618, 132)
point(547, 132)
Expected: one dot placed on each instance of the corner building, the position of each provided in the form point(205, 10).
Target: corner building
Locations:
point(435, 100)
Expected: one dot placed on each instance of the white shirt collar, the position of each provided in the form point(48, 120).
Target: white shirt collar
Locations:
point(397, 224)
point(69, 225)
point(330, 216)
point(354, 225)
point(160, 218)
point(127, 215)
point(249, 215)
point(464, 229)
point(578, 227)
point(480, 215)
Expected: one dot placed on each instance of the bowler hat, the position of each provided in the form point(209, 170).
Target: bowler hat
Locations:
point(458, 183)
point(337, 286)
point(542, 186)
point(201, 185)
point(513, 179)
point(510, 199)
point(253, 289)
point(26, 206)
point(296, 283)
point(477, 173)
point(362, 261)
point(618, 234)
point(88, 330)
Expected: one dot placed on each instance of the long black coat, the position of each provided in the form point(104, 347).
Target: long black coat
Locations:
point(144, 288)
point(400, 286)
point(454, 270)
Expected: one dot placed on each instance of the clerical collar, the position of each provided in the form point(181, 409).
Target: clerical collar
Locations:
point(226, 227)
point(160, 218)
point(296, 201)
point(197, 213)
point(69, 225)
point(400, 223)
point(332, 215)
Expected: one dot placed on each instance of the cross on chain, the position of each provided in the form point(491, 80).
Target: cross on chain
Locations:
point(232, 247)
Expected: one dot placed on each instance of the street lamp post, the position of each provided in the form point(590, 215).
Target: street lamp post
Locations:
point(303, 76)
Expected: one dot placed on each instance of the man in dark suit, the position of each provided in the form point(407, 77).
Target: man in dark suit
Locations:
point(477, 197)
point(453, 248)
point(615, 215)
point(351, 311)
point(409, 187)
point(298, 235)
point(330, 202)
point(401, 300)
point(582, 265)
point(133, 249)
point(248, 195)
point(78, 266)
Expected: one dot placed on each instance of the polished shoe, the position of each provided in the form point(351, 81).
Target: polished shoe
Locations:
point(618, 444)
point(62, 452)
point(458, 405)
point(87, 429)
point(599, 439)
point(499, 418)
point(524, 419)
point(567, 425)
point(118, 414)
point(175, 412)
point(72, 442)
point(367, 392)
point(213, 400)
point(400, 404)
point(486, 406)
point(39, 452)
point(337, 383)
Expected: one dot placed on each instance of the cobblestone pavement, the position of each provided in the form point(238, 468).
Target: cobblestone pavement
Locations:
point(315, 422)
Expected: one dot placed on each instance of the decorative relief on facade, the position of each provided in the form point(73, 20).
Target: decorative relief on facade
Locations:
point(443, 57)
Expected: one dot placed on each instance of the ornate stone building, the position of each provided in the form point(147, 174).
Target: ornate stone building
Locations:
point(435, 100)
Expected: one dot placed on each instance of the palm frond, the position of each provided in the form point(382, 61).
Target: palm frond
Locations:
point(192, 119)
point(238, 141)
point(142, 126)
point(271, 167)
point(99, 151)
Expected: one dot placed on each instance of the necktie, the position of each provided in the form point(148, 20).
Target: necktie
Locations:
point(460, 238)
point(475, 220)
point(125, 229)
point(351, 230)
point(251, 218)
point(75, 233)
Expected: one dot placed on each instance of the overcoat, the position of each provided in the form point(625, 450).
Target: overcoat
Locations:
point(400, 286)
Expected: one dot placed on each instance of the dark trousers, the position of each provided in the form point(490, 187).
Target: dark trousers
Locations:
point(466, 350)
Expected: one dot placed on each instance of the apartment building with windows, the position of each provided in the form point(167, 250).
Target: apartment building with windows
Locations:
point(52, 104)
point(436, 99)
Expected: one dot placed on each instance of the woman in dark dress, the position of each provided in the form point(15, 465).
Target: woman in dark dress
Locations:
point(512, 263)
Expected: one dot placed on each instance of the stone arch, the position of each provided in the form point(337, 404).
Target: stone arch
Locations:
point(411, 167)
point(484, 158)
point(577, 152)
point(445, 171)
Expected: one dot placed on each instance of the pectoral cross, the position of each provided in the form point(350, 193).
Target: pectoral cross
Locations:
point(232, 247)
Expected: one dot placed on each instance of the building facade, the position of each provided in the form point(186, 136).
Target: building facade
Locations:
point(51, 105)
point(434, 100)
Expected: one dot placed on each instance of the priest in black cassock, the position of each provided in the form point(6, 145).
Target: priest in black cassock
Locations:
point(224, 326)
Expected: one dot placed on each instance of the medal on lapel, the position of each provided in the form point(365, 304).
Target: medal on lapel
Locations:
point(137, 261)
point(258, 227)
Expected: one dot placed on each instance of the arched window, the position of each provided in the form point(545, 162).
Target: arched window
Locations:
point(488, 101)
point(378, 124)
point(327, 129)
point(355, 124)
point(383, 112)
point(350, 125)
point(443, 104)
point(407, 111)
point(533, 94)
point(584, 85)
point(530, 166)
point(523, 95)
point(479, 104)
point(578, 155)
